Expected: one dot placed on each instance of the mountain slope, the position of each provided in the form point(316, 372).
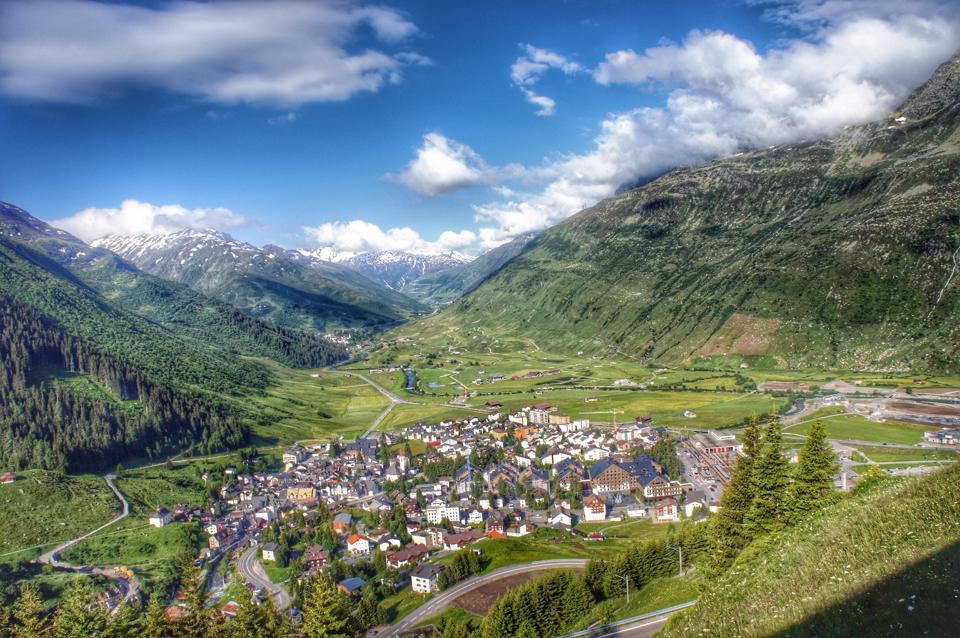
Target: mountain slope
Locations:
point(289, 288)
point(836, 253)
point(883, 563)
point(174, 306)
point(452, 283)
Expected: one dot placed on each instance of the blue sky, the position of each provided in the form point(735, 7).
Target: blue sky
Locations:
point(302, 124)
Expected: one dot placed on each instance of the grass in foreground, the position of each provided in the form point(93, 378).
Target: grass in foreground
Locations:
point(657, 594)
point(883, 563)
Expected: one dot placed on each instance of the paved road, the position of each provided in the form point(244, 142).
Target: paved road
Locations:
point(252, 571)
point(641, 629)
point(444, 599)
point(129, 588)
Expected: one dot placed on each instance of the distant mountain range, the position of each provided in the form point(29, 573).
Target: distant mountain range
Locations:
point(840, 253)
point(291, 288)
point(397, 270)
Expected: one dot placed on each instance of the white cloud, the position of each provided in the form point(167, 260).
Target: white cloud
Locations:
point(725, 96)
point(531, 66)
point(282, 53)
point(134, 217)
point(361, 236)
point(443, 165)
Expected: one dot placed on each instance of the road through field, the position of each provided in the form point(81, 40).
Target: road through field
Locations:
point(129, 587)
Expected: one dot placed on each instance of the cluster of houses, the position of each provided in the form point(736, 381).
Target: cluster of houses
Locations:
point(943, 436)
point(549, 471)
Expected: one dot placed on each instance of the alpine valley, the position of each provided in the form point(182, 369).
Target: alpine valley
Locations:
point(723, 401)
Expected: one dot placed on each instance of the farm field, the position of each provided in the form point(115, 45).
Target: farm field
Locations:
point(859, 428)
point(636, 529)
point(303, 406)
point(43, 507)
point(403, 415)
point(713, 409)
point(887, 454)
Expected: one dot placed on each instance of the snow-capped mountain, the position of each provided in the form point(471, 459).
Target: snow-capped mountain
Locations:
point(287, 286)
point(397, 269)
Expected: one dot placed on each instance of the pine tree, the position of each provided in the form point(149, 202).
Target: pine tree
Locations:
point(28, 613)
point(126, 622)
point(813, 479)
point(326, 612)
point(577, 601)
point(769, 483)
point(77, 617)
point(527, 630)
point(155, 625)
point(197, 621)
point(729, 534)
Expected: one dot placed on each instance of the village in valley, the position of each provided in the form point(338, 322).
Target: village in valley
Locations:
point(395, 507)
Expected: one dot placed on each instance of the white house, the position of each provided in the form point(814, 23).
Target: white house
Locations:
point(667, 511)
point(595, 454)
point(161, 517)
point(594, 508)
point(358, 545)
point(423, 579)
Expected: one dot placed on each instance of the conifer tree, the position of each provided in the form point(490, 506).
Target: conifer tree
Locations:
point(155, 625)
point(326, 612)
point(813, 480)
point(769, 482)
point(128, 621)
point(77, 616)
point(28, 614)
point(729, 533)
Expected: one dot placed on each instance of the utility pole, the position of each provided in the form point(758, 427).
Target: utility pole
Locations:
point(680, 547)
point(627, 580)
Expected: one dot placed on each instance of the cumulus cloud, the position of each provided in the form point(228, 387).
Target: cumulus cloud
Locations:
point(858, 61)
point(134, 218)
point(443, 165)
point(282, 53)
point(531, 66)
point(361, 236)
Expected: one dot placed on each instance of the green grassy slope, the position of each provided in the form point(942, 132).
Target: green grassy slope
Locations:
point(884, 563)
point(830, 254)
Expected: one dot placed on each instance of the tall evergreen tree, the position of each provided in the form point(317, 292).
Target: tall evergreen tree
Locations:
point(729, 533)
point(813, 480)
point(769, 482)
point(155, 624)
point(326, 612)
point(77, 616)
point(28, 614)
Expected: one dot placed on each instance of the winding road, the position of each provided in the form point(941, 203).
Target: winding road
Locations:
point(444, 599)
point(252, 571)
point(129, 587)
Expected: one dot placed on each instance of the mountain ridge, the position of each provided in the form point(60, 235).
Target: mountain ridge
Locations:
point(827, 253)
point(287, 287)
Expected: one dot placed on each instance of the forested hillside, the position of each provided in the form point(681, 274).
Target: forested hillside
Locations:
point(67, 404)
point(834, 253)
